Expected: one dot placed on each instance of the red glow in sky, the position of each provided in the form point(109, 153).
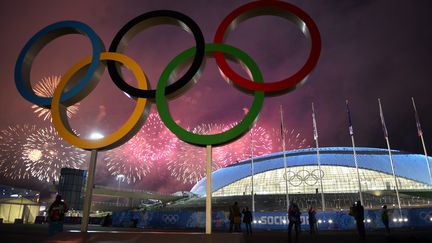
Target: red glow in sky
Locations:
point(368, 52)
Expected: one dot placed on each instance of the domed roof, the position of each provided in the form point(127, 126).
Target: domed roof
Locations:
point(407, 165)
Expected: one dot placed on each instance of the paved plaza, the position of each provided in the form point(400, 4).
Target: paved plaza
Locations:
point(39, 233)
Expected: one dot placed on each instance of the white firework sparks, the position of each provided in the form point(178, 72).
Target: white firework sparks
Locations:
point(46, 88)
point(45, 153)
point(12, 146)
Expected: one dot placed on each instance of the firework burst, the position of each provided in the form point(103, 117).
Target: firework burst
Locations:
point(189, 163)
point(150, 147)
point(45, 153)
point(46, 88)
point(293, 140)
point(241, 148)
point(12, 146)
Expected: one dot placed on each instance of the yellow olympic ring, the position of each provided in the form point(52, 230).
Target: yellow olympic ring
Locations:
point(120, 136)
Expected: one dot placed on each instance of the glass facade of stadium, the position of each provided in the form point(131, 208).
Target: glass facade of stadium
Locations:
point(338, 173)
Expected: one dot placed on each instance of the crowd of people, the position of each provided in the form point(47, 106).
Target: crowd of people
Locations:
point(58, 208)
point(295, 221)
point(235, 218)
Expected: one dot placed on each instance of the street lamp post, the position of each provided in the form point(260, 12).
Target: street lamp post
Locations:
point(119, 178)
point(90, 183)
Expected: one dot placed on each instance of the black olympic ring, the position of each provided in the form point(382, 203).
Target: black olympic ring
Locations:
point(144, 21)
point(309, 178)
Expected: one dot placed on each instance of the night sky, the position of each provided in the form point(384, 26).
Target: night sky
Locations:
point(370, 49)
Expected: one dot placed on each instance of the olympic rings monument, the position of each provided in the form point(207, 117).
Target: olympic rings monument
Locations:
point(83, 77)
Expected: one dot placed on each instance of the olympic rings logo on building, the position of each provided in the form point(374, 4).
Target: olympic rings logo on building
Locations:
point(426, 216)
point(304, 176)
point(170, 219)
point(83, 77)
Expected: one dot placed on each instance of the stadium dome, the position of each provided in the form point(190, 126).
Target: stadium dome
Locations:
point(338, 173)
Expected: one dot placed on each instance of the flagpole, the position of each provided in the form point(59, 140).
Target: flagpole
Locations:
point(318, 156)
point(390, 156)
point(284, 159)
point(252, 172)
point(208, 224)
point(351, 131)
point(420, 133)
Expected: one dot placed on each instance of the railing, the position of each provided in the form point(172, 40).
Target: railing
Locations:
point(131, 190)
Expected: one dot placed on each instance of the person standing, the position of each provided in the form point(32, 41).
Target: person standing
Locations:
point(385, 218)
point(294, 220)
point(231, 219)
point(357, 211)
point(106, 221)
point(247, 220)
point(56, 213)
point(235, 218)
point(312, 220)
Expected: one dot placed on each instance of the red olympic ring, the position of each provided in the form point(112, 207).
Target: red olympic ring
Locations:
point(277, 8)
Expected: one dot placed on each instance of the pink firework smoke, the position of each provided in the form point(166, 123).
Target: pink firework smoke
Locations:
point(150, 147)
point(293, 140)
point(189, 163)
point(261, 144)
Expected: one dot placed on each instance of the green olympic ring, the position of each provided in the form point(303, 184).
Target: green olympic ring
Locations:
point(214, 139)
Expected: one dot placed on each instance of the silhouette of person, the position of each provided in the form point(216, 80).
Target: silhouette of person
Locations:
point(247, 220)
point(107, 220)
point(56, 213)
point(385, 218)
point(357, 211)
point(235, 218)
point(294, 220)
point(312, 220)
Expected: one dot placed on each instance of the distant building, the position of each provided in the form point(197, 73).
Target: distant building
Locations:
point(14, 210)
point(71, 187)
point(14, 192)
point(338, 173)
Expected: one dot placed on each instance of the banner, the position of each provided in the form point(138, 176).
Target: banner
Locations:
point(273, 221)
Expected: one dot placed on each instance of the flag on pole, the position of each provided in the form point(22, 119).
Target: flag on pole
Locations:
point(350, 126)
point(315, 131)
point(282, 125)
point(382, 119)
point(419, 129)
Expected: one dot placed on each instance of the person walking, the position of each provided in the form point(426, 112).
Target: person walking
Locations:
point(56, 213)
point(312, 220)
point(294, 220)
point(247, 220)
point(385, 218)
point(357, 211)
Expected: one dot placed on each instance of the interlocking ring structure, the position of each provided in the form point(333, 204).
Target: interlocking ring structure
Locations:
point(170, 218)
point(304, 176)
point(82, 78)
